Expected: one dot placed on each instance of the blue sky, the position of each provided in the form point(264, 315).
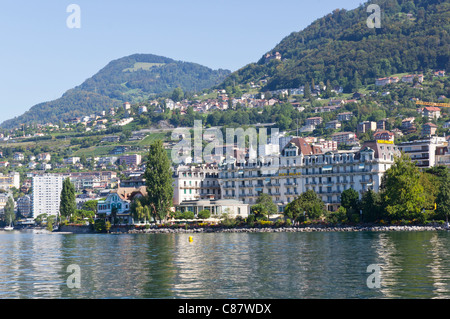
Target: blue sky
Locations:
point(41, 57)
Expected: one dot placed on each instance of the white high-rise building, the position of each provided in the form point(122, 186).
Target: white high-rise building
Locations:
point(46, 194)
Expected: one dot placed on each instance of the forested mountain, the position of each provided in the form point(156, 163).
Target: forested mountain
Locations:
point(341, 48)
point(132, 78)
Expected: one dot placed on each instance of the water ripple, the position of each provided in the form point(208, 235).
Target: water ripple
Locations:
point(240, 265)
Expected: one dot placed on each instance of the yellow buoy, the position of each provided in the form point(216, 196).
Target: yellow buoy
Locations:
point(191, 239)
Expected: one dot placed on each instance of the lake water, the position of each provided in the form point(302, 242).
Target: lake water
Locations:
point(225, 265)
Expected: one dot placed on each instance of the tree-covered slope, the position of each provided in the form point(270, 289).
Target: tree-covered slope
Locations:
point(132, 78)
point(340, 47)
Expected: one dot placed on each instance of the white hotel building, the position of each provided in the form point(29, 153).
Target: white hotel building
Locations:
point(302, 166)
point(195, 182)
point(46, 194)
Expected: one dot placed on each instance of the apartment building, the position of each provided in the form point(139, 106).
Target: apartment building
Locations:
point(9, 181)
point(301, 167)
point(130, 160)
point(46, 194)
point(24, 205)
point(432, 112)
point(367, 126)
point(335, 124)
point(344, 138)
point(429, 129)
point(346, 116)
point(316, 120)
point(384, 136)
point(423, 151)
point(194, 182)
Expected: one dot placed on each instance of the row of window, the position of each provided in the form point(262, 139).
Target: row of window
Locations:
point(196, 183)
point(196, 191)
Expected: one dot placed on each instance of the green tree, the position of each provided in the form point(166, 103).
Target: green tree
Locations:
point(114, 214)
point(40, 218)
point(137, 210)
point(339, 216)
point(50, 221)
point(307, 91)
point(307, 202)
point(158, 179)
point(204, 214)
point(177, 94)
point(371, 206)
point(443, 199)
point(100, 226)
point(266, 205)
point(350, 199)
point(90, 205)
point(68, 204)
point(402, 194)
point(140, 211)
point(9, 211)
point(259, 212)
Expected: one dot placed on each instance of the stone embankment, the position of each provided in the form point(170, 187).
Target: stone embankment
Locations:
point(289, 229)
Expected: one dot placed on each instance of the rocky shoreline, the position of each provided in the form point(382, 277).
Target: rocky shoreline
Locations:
point(289, 229)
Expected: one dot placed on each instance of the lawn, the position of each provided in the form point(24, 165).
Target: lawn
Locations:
point(143, 66)
point(149, 139)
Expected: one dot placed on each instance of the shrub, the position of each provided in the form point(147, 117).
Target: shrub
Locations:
point(279, 222)
point(264, 223)
point(188, 215)
point(204, 214)
point(229, 222)
point(354, 218)
point(177, 215)
point(100, 226)
point(251, 220)
point(337, 217)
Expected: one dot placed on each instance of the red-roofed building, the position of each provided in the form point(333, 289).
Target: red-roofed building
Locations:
point(384, 136)
point(432, 112)
point(299, 146)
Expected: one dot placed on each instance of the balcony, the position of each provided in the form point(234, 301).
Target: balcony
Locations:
point(291, 194)
point(426, 156)
point(270, 184)
point(290, 184)
point(189, 186)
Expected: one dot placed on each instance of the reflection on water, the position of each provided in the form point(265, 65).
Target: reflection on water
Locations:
point(228, 265)
point(414, 265)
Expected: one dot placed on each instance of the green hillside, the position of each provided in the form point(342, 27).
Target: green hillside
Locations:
point(340, 48)
point(132, 78)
